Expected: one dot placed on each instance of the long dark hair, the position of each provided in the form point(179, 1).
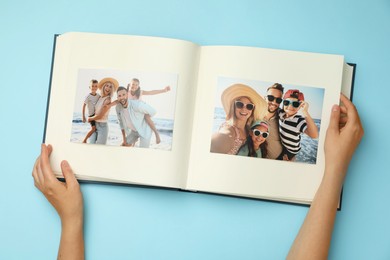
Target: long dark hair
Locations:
point(252, 152)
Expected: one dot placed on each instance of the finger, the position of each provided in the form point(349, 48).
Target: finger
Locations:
point(334, 119)
point(351, 109)
point(41, 177)
point(341, 126)
point(67, 171)
point(343, 120)
point(343, 109)
point(37, 182)
point(45, 164)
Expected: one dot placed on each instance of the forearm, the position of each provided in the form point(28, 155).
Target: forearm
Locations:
point(153, 92)
point(313, 239)
point(342, 138)
point(83, 112)
point(72, 240)
point(101, 114)
point(312, 129)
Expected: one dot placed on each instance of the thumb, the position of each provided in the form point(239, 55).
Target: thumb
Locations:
point(334, 119)
point(49, 149)
point(68, 174)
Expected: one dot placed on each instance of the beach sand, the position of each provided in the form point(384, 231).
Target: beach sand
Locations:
point(80, 130)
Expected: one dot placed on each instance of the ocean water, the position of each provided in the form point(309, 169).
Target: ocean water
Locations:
point(308, 152)
point(164, 127)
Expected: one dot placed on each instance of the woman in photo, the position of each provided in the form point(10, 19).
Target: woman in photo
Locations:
point(256, 144)
point(242, 105)
point(107, 87)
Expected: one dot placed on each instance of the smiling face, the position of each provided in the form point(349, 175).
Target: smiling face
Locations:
point(243, 113)
point(107, 89)
point(290, 109)
point(258, 140)
point(94, 88)
point(273, 105)
point(122, 97)
point(134, 86)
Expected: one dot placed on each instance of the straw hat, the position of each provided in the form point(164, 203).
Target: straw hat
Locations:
point(105, 80)
point(240, 90)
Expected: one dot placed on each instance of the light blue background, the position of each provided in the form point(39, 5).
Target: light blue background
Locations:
point(142, 223)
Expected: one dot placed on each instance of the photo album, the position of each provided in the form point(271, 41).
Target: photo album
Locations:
point(230, 120)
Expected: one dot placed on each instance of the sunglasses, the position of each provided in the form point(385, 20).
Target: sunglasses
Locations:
point(293, 103)
point(241, 105)
point(272, 98)
point(257, 132)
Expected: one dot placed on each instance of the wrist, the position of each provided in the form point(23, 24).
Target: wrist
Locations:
point(74, 222)
point(334, 176)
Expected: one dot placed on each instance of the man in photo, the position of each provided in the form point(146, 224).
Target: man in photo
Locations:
point(131, 115)
point(274, 98)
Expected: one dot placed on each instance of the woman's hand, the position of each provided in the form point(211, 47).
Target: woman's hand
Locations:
point(66, 198)
point(343, 136)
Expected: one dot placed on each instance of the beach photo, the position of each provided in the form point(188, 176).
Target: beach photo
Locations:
point(269, 120)
point(124, 108)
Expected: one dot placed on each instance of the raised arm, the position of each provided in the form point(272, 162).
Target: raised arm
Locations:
point(221, 142)
point(312, 129)
point(155, 92)
point(342, 138)
point(67, 199)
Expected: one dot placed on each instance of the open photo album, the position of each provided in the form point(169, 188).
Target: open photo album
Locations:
point(229, 120)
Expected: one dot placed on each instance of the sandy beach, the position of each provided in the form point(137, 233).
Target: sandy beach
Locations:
point(164, 127)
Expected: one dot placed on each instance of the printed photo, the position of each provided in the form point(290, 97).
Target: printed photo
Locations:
point(124, 108)
point(270, 120)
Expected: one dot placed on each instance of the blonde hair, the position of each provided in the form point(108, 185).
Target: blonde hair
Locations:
point(231, 116)
point(112, 88)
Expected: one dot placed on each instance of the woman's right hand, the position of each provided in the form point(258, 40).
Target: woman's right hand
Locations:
point(343, 136)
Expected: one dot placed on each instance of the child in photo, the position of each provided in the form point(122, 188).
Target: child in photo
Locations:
point(90, 101)
point(256, 144)
point(135, 92)
point(292, 125)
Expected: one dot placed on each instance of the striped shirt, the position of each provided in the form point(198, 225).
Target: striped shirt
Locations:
point(90, 101)
point(290, 130)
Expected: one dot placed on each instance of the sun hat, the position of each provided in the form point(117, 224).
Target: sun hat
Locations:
point(259, 123)
point(240, 90)
point(294, 93)
point(105, 80)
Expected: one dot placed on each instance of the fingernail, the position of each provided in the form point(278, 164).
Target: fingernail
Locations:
point(335, 108)
point(65, 163)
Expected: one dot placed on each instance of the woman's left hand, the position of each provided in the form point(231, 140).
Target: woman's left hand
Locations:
point(66, 197)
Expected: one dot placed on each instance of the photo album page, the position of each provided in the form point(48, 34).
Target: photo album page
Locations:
point(285, 99)
point(120, 107)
